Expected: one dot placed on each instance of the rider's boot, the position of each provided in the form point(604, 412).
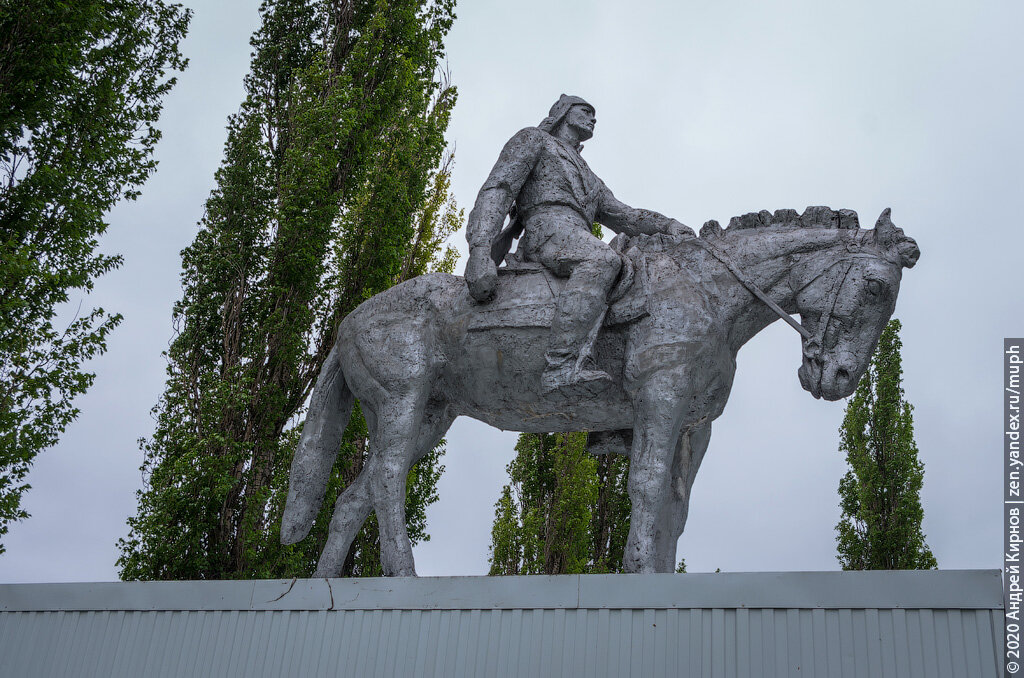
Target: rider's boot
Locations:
point(579, 310)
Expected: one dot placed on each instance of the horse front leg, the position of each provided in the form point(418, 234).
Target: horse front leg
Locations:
point(655, 433)
point(689, 453)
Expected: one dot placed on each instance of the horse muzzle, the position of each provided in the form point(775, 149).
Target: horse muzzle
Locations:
point(826, 379)
point(810, 369)
point(809, 374)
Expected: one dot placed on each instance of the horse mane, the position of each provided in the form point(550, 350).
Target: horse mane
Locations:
point(813, 217)
point(885, 237)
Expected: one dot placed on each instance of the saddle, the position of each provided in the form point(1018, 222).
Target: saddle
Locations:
point(527, 292)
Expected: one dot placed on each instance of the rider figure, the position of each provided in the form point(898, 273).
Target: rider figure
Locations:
point(557, 198)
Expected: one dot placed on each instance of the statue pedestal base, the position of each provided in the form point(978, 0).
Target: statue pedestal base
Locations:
point(766, 624)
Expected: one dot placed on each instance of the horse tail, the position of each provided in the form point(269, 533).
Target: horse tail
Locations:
point(329, 410)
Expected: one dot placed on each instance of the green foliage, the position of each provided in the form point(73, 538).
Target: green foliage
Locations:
point(564, 512)
point(333, 188)
point(880, 527)
point(609, 527)
point(506, 535)
point(81, 85)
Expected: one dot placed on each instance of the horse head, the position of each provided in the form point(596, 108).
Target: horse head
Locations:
point(845, 301)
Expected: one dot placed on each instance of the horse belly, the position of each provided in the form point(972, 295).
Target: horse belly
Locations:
point(494, 375)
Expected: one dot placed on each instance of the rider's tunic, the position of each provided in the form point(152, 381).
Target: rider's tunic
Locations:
point(558, 197)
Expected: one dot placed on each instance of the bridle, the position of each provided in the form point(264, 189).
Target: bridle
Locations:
point(815, 343)
point(816, 340)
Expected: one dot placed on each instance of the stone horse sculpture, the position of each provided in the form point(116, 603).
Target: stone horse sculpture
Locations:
point(424, 352)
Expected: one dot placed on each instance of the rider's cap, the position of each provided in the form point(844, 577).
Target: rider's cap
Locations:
point(559, 110)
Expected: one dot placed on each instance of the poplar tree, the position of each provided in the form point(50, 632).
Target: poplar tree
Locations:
point(880, 527)
point(565, 511)
point(333, 187)
point(81, 86)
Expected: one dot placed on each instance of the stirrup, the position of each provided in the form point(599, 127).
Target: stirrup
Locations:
point(556, 378)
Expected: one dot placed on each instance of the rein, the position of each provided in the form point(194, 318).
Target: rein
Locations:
point(759, 293)
point(754, 289)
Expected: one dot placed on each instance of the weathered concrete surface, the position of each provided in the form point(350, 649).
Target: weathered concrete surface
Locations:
point(553, 197)
point(425, 352)
point(536, 347)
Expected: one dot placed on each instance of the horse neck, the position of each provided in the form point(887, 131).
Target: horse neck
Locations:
point(768, 258)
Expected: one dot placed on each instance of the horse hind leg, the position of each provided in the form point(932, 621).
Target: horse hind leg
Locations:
point(389, 366)
point(350, 512)
point(357, 501)
point(396, 449)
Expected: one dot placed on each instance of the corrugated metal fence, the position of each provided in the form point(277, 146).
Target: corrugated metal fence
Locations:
point(835, 624)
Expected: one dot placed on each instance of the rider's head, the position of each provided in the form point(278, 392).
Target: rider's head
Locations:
point(572, 111)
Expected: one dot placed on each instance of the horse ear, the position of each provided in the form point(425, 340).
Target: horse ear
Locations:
point(889, 236)
point(885, 230)
point(909, 252)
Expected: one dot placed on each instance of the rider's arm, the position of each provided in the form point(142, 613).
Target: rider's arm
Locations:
point(501, 188)
point(622, 218)
point(492, 204)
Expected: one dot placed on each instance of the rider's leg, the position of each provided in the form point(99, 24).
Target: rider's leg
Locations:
point(593, 267)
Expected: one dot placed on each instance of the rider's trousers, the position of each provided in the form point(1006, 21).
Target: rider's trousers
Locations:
point(569, 250)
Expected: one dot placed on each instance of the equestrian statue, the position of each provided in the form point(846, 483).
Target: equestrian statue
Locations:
point(634, 340)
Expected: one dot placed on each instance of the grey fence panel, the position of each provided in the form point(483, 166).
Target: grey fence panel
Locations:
point(247, 632)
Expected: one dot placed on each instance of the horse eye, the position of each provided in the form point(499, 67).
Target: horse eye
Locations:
point(874, 288)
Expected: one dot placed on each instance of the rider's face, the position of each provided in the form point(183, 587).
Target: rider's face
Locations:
point(582, 119)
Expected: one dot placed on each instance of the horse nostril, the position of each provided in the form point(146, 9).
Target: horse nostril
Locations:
point(842, 374)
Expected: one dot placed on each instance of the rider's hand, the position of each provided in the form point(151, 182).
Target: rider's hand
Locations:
point(481, 274)
point(679, 230)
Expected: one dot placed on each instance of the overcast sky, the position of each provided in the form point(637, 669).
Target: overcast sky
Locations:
point(705, 110)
